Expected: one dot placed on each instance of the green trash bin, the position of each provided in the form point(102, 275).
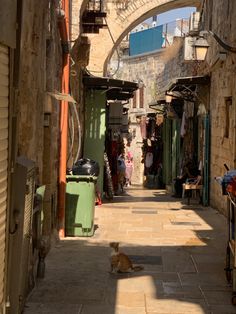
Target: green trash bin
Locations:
point(80, 205)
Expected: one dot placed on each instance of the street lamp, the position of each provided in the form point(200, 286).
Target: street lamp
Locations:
point(201, 45)
point(169, 98)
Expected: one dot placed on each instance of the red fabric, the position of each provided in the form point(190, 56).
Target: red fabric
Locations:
point(231, 187)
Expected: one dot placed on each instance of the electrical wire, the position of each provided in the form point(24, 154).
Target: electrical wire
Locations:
point(222, 43)
point(71, 135)
point(89, 71)
point(79, 131)
point(74, 113)
point(230, 198)
point(118, 55)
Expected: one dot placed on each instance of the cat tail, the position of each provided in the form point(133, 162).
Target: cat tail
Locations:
point(137, 268)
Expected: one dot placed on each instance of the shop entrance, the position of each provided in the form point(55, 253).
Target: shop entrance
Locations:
point(153, 151)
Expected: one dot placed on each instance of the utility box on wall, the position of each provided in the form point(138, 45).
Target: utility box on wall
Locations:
point(115, 115)
point(189, 52)
point(194, 23)
point(20, 243)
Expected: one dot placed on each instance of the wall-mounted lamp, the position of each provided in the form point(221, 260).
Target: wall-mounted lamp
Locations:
point(169, 98)
point(195, 47)
point(201, 47)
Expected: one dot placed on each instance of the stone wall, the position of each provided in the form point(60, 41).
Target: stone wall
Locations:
point(221, 18)
point(143, 68)
point(121, 19)
point(77, 7)
point(40, 71)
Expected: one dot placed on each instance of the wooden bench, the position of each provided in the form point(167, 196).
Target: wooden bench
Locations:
point(192, 187)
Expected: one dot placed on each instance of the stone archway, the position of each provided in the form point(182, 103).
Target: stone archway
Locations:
point(122, 17)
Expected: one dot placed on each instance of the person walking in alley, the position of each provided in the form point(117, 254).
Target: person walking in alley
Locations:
point(121, 168)
point(129, 168)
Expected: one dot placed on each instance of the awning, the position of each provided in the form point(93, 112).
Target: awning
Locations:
point(179, 83)
point(186, 86)
point(114, 89)
point(159, 105)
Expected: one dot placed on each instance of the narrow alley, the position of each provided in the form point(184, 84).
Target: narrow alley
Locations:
point(182, 248)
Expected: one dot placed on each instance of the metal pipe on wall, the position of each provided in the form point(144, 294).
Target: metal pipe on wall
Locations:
point(64, 31)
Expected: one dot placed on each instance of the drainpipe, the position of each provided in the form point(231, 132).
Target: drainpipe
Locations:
point(63, 24)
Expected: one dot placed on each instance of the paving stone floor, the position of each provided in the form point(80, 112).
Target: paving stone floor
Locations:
point(182, 248)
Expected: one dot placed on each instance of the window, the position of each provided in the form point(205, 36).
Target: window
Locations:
point(228, 103)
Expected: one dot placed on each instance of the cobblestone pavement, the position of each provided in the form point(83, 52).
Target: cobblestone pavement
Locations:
point(182, 248)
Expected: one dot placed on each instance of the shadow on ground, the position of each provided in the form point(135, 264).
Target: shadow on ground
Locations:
point(177, 278)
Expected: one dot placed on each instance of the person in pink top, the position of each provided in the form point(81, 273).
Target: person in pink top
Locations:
point(129, 168)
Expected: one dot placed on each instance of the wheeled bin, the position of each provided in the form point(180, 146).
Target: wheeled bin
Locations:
point(80, 205)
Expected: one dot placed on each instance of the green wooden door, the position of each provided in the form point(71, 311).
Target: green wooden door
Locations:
point(94, 138)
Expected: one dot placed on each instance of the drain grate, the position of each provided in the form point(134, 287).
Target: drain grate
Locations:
point(185, 223)
point(140, 211)
point(150, 260)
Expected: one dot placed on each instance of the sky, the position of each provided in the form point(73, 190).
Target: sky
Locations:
point(173, 15)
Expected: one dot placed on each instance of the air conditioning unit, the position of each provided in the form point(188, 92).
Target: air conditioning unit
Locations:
point(189, 52)
point(115, 115)
point(194, 23)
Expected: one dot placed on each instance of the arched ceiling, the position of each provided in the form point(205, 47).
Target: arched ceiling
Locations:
point(122, 17)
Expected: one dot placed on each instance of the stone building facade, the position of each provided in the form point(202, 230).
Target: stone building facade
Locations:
point(155, 70)
point(219, 16)
point(120, 20)
point(31, 71)
point(218, 96)
point(40, 71)
point(143, 69)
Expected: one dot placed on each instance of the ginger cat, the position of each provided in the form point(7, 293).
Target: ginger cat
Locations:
point(120, 262)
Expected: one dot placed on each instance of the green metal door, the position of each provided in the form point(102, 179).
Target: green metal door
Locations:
point(206, 161)
point(94, 137)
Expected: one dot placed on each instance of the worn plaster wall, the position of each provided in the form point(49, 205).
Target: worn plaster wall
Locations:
point(79, 57)
point(220, 16)
point(51, 115)
point(77, 7)
point(40, 72)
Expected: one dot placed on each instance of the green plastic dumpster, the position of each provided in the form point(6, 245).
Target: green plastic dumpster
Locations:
point(80, 205)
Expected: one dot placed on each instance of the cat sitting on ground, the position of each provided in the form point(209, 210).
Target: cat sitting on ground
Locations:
point(120, 262)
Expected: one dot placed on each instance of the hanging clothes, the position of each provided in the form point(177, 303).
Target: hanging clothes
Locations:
point(149, 160)
point(143, 127)
point(189, 109)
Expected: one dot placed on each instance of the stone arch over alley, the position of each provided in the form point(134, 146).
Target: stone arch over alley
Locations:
point(122, 17)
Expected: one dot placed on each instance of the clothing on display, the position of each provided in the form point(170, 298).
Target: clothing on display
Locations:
point(149, 160)
point(143, 127)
